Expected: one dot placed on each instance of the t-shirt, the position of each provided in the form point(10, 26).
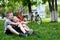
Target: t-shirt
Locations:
point(7, 22)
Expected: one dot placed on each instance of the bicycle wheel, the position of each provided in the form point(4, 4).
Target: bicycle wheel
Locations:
point(38, 20)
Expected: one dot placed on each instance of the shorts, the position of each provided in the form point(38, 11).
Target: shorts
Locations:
point(16, 28)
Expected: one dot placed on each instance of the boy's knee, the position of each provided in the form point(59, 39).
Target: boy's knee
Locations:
point(19, 25)
point(9, 26)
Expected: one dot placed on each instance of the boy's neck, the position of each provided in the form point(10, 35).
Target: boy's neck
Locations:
point(8, 18)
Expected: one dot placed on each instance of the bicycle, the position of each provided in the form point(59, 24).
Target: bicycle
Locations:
point(37, 18)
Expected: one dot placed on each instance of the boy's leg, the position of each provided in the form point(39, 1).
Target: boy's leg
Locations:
point(22, 29)
point(30, 31)
point(12, 30)
point(26, 27)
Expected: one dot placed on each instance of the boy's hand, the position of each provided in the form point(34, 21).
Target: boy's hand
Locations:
point(18, 23)
point(27, 22)
point(15, 23)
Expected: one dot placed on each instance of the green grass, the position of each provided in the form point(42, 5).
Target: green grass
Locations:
point(47, 31)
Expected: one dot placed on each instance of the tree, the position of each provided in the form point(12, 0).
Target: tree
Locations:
point(28, 3)
point(53, 9)
point(6, 5)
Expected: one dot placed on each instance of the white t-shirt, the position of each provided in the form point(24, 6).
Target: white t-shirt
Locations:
point(7, 22)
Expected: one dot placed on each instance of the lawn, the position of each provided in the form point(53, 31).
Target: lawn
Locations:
point(47, 31)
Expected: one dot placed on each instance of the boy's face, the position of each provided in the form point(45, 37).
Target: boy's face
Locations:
point(15, 19)
point(10, 16)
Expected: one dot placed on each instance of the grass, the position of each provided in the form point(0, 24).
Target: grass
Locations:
point(47, 31)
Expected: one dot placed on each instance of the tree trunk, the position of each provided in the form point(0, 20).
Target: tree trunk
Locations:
point(50, 7)
point(29, 7)
point(53, 12)
point(30, 10)
point(56, 11)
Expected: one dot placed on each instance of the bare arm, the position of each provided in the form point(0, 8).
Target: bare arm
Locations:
point(25, 22)
point(15, 23)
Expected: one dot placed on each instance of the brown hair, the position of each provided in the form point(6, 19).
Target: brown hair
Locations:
point(7, 14)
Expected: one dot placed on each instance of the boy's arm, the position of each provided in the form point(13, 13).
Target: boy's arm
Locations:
point(14, 23)
point(25, 22)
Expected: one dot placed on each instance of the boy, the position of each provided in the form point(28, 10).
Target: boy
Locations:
point(24, 26)
point(9, 28)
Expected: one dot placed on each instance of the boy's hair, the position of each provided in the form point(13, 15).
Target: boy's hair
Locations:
point(15, 17)
point(8, 13)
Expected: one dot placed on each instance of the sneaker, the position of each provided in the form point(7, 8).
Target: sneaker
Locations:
point(30, 32)
point(26, 34)
point(23, 35)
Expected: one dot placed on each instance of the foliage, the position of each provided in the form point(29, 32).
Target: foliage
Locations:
point(25, 2)
point(44, 1)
